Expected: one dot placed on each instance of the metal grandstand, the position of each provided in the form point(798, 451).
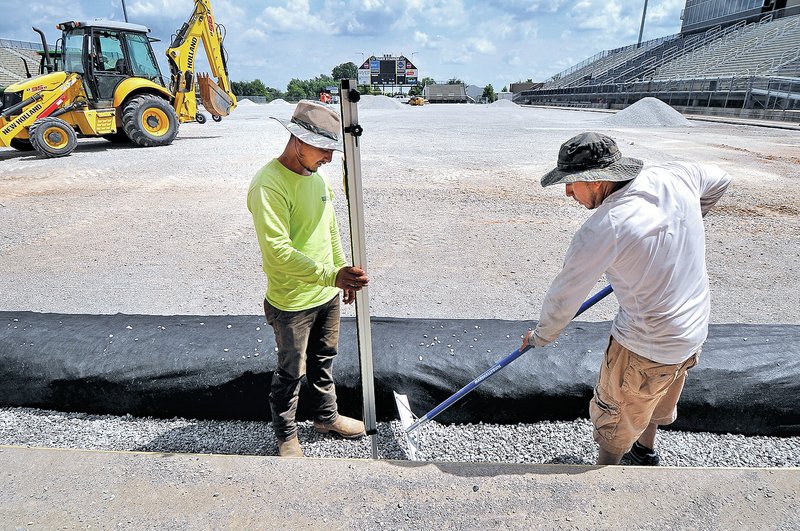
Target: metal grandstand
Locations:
point(444, 93)
point(745, 69)
point(14, 56)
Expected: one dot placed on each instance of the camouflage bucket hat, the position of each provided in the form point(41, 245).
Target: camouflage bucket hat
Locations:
point(315, 124)
point(591, 157)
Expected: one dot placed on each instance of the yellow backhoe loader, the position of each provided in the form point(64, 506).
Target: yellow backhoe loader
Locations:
point(106, 82)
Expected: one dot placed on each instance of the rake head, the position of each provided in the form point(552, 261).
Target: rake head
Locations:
point(407, 420)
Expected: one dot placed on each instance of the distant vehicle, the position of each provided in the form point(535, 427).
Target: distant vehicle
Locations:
point(402, 97)
point(417, 100)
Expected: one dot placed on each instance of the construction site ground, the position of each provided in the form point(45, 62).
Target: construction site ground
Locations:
point(457, 226)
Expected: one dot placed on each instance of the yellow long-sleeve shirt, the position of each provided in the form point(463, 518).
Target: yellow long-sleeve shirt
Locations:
point(298, 235)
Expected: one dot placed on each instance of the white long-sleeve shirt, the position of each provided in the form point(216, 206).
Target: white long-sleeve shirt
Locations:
point(648, 238)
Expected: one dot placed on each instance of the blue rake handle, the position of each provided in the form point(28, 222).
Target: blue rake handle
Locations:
point(591, 301)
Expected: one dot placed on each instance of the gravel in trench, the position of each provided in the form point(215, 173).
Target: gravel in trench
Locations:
point(539, 443)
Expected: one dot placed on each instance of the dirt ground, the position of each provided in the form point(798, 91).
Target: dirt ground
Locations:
point(457, 224)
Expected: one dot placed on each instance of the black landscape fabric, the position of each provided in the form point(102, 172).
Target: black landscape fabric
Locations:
point(220, 367)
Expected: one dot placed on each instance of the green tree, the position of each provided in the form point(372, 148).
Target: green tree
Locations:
point(347, 70)
point(425, 82)
point(248, 88)
point(273, 94)
point(299, 89)
point(255, 88)
point(295, 90)
point(454, 81)
point(488, 93)
point(505, 89)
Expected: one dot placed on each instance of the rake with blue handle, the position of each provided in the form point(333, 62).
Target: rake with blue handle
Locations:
point(410, 423)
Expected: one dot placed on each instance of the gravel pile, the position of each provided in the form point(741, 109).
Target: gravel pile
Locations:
point(279, 101)
point(540, 443)
point(503, 103)
point(648, 112)
point(369, 101)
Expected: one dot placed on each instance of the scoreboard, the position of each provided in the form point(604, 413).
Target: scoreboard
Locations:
point(387, 70)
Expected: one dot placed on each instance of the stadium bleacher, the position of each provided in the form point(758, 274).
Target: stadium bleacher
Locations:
point(748, 67)
point(440, 93)
point(12, 63)
point(753, 49)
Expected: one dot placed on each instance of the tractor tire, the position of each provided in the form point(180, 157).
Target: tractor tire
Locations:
point(201, 118)
point(21, 144)
point(53, 137)
point(150, 121)
point(117, 138)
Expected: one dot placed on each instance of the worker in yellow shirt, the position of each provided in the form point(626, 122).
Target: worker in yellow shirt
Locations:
point(302, 256)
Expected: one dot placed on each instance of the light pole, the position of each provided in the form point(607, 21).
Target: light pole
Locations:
point(362, 59)
point(124, 11)
point(641, 28)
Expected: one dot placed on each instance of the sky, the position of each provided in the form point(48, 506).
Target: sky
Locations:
point(481, 42)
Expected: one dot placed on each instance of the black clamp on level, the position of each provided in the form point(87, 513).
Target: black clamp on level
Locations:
point(355, 130)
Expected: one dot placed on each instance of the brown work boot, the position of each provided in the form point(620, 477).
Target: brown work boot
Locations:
point(289, 447)
point(344, 426)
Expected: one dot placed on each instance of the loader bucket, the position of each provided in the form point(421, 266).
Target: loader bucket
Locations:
point(214, 99)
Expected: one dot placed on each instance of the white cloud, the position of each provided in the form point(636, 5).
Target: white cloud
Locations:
point(169, 8)
point(444, 13)
point(254, 34)
point(372, 4)
point(480, 45)
point(297, 17)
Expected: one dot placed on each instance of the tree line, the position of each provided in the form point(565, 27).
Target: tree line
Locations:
point(299, 89)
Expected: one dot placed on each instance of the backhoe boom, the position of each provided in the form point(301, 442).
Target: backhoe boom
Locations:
point(216, 97)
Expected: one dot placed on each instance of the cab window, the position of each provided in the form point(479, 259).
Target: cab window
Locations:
point(142, 60)
point(73, 52)
point(108, 56)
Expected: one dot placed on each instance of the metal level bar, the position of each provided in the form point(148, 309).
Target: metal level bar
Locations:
point(349, 97)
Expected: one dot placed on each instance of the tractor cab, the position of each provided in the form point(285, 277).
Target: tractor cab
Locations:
point(105, 53)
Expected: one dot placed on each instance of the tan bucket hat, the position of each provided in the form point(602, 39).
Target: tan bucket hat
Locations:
point(315, 124)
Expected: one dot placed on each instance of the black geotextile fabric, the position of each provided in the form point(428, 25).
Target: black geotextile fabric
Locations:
point(220, 367)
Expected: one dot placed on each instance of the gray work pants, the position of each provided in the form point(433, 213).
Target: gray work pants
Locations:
point(307, 342)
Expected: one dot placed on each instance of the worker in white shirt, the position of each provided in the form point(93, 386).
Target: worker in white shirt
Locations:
point(647, 236)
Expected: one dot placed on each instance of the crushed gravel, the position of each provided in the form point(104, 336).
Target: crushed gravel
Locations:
point(451, 196)
point(539, 443)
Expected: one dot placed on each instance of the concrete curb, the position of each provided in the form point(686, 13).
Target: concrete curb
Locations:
point(47, 488)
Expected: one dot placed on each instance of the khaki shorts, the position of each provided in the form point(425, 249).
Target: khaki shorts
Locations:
point(632, 392)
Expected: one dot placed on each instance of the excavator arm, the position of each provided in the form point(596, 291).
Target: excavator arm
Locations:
point(217, 97)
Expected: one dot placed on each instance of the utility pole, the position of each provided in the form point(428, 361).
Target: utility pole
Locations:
point(641, 28)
